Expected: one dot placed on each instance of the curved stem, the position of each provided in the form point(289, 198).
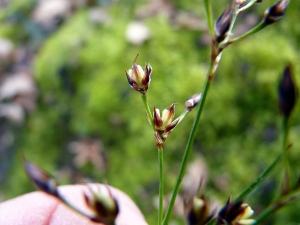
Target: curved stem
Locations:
point(149, 114)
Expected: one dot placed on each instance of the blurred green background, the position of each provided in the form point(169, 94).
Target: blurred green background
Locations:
point(78, 106)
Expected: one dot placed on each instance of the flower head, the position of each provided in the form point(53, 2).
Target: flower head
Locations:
point(193, 101)
point(197, 211)
point(237, 213)
point(222, 25)
point(139, 78)
point(103, 204)
point(164, 124)
point(275, 12)
point(42, 180)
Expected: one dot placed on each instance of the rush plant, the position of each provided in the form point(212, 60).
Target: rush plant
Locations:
point(197, 207)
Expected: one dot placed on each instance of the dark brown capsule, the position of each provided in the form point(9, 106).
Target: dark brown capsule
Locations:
point(222, 25)
point(275, 12)
point(42, 180)
point(287, 92)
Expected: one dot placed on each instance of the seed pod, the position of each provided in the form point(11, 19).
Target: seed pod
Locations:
point(103, 204)
point(287, 92)
point(193, 101)
point(197, 211)
point(275, 12)
point(237, 213)
point(139, 78)
point(222, 25)
point(42, 180)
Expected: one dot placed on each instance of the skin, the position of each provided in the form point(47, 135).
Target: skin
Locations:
point(42, 209)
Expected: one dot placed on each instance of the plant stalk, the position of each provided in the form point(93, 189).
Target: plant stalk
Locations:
point(149, 114)
point(210, 22)
point(248, 190)
point(161, 184)
point(189, 145)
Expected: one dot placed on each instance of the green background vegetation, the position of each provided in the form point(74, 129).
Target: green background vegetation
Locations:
point(234, 132)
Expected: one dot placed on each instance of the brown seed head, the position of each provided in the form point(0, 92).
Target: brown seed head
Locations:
point(222, 25)
point(42, 180)
point(139, 78)
point(275, 12)
point(197, 211)
point(103, 204)
point(235, 214)
point(193, 101)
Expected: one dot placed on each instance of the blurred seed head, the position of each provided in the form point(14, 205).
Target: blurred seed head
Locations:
point(239, 2)
point(222, 25)
point(192, 101)
point(102, 203)
point(275, 12)
point(42, 180)
point(237, 213)
point(287, 92)
point(139, 78)
point(197, 211)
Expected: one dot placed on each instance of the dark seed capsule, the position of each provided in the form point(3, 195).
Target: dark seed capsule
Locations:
point(287, 92)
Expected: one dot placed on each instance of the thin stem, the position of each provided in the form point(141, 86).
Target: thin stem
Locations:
point(209, 15)
point(160, 162)
point(149, 114)
point(189, 146)
point(248, 190)
point(285, 131)
point(247, 6)
point(283, 201)
point(254, 30)
point(161, 184)
point(65, 201)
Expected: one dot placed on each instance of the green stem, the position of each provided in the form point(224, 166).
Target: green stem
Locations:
point(254, 30)
point(248, 190)
point(189, 146)
point(283, 201)
point(161, 184)
point(149, 114)
point(285, 131)
point(248, 5)
point(65, 201)
point(269, 210)
point(210, 22)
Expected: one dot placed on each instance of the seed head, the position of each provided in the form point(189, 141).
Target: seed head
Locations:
point(103, 204)
point(192, 101)
point(139, 78)
point(197, 211)
point(165, 124)
point(42, 180)
point(275, 12)
point(287, 92)
point(235, 214)
point(223, 24)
